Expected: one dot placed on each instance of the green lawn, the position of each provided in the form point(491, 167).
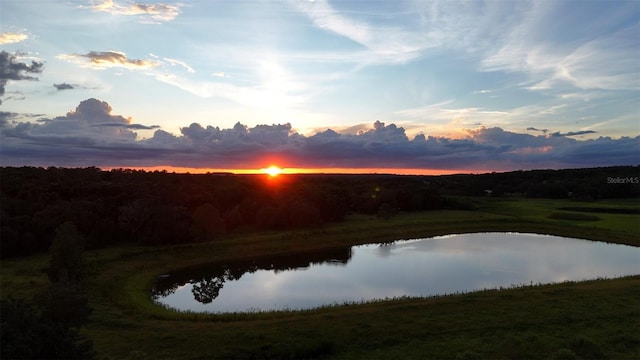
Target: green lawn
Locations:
point(621, 226)
point(594, 319)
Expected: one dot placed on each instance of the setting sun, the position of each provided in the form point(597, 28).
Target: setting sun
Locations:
point(272, 171)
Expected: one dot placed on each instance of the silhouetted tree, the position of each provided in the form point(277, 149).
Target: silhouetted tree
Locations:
point(207, 223)
point(134, 216)
point(66, 263)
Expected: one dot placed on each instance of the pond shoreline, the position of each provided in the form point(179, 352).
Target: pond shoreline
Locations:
point(403, 268)
point(134, 290)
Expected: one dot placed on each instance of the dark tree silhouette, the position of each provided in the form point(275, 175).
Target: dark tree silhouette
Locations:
point(66, 263)
point(207, 223)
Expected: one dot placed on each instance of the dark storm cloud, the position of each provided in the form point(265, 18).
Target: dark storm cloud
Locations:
point(11, 69)
point(92, 135)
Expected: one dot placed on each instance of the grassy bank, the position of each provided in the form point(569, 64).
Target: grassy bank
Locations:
point(593, 320)
point(588, 319)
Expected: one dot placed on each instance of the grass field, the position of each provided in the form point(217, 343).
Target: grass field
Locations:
point(593, 319)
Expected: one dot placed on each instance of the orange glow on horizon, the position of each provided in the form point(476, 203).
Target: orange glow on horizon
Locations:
point(292, 171)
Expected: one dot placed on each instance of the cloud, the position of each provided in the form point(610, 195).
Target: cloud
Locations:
point(67, 86)
point(594, 58)
point(275, 88)
point(277, 96)
point(174, 62)
point(63, 86)
point(92, 135)
point(149, 13)
point(544, 131)
point(11, 38)
point(386, 44)
point(607, 62)
point(108, 59)
point(129, 126)
point(574, 133)
point(5, 116)
point(90, 122)
point(444, 118)
point(11, 69)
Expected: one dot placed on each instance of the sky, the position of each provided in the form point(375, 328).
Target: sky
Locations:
point(406, 86)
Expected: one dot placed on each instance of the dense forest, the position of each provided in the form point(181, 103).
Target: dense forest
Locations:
point(122, 205)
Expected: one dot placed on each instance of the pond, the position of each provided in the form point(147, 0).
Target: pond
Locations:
point(422, 267)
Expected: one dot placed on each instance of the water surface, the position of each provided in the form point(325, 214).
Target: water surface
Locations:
point(421, 267)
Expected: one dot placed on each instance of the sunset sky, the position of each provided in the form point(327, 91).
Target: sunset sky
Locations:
point(406, 86)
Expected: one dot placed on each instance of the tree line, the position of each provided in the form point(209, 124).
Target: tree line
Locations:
point(158, 207)
point(578, 184)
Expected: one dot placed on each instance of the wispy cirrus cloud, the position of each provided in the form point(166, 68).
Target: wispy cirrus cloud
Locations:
point(108, 59)
point(515, 37)
point(273, 86)
point(385, 44)
point(595, 50)
point(266, 83)
point(607, 61)
point(253, 96)
point(174, 62)
point(149, 13)
point(447, 118)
